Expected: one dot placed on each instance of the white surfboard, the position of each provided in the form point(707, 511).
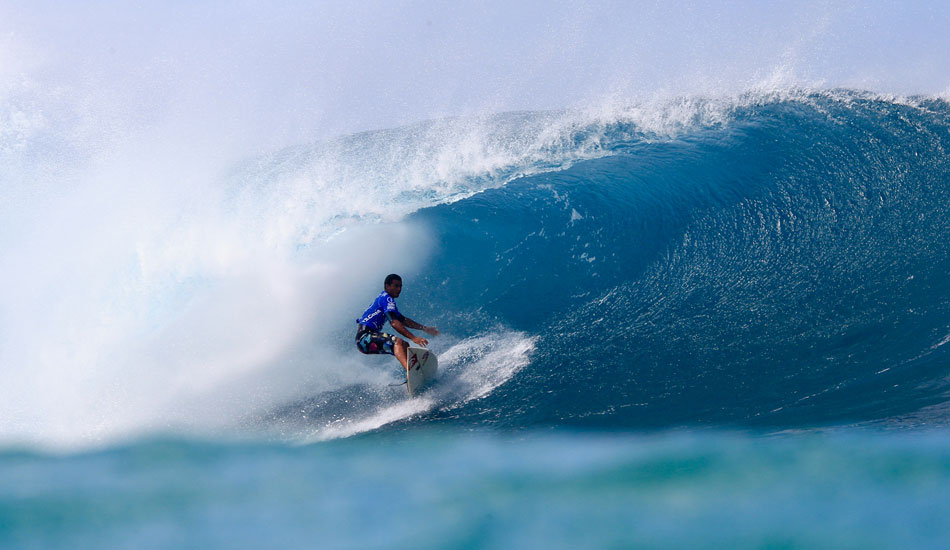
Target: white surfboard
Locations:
point(423, 367)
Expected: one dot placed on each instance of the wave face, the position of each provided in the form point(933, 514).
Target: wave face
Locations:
point(768, 260)
point(785, 266)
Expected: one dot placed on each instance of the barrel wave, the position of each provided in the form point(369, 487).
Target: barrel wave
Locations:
point(785, 266)
point(771, 260)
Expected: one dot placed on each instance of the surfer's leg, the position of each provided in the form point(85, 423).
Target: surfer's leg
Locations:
point(399, 350)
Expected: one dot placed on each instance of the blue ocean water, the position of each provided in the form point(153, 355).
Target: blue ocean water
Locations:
point(450, 489)
point(727, 328)
point(786, 268)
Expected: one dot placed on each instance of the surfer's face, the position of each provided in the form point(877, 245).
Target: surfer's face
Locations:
point(394, 288)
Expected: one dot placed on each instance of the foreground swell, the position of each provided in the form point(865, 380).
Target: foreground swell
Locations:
point(489, 491)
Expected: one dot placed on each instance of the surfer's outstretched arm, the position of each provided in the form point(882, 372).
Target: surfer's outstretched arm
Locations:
point(412, 324)
point(400, 327)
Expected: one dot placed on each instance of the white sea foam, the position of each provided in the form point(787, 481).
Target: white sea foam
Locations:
point(468, 369)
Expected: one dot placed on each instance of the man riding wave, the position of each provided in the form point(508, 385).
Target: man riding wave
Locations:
point(369, 336)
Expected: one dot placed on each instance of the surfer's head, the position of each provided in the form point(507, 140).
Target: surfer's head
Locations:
point(393, 285)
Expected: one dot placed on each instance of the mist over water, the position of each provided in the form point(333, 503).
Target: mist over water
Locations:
point(197, 199)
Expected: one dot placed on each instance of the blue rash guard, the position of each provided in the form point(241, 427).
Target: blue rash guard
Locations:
point(382, 310)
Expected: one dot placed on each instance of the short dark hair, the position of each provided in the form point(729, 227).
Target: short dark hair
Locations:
point(392, 277)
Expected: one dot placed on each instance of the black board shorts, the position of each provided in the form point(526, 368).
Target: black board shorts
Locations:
point(371, 342)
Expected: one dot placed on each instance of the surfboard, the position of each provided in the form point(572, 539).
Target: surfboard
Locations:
point(423, 367)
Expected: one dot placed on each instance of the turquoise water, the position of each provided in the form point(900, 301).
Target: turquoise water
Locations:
point(453, 489)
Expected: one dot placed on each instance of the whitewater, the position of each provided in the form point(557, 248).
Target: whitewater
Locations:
point(696, 301)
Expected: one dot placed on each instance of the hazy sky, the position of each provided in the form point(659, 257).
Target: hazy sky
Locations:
point(311, 69)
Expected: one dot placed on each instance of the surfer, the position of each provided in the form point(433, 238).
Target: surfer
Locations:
point(369, 336)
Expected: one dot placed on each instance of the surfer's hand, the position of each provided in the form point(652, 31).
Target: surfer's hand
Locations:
point(421, 341)
point(431, 330)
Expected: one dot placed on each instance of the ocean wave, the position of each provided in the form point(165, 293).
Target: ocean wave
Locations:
point(775, 257)
point(784, 268)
